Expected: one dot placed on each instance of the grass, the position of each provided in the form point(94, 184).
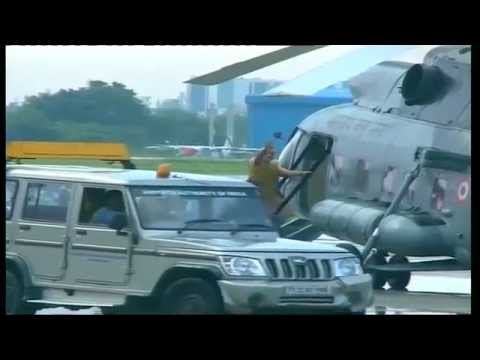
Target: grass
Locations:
point(192, 165)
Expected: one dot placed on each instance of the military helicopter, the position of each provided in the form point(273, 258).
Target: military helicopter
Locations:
point(391, 170)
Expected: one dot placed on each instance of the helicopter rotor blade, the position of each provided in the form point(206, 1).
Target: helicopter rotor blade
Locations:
point(348, 66)
point(248, 66)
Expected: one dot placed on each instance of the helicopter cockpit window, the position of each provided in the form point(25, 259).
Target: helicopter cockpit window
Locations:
point(287, 155)
point(301, 140)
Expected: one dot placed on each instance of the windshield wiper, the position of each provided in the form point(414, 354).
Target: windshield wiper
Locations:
point(241, 226)
point(196, 221)
point(201, 221)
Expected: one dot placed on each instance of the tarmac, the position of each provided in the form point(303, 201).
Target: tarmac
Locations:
point(428, 293)
point(439, 293)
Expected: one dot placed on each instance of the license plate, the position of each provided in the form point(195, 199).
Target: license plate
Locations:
point(305, 291)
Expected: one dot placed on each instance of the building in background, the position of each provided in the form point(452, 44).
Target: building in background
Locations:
point(272, 118)
point(171, 104)
point(182, 99)
point(197, 98)
point(260, 86)
point(232, 94)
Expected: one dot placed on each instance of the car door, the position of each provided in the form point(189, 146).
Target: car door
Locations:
point(41, 231)
point(11, 190)
point(98, 255)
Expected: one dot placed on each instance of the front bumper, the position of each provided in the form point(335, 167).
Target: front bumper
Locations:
point(347, 294)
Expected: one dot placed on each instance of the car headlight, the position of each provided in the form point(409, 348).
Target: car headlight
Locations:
point(347, 267)
point(240, 266)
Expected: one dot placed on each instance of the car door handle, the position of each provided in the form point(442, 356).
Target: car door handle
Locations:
point(25, 227)
point(81, 232)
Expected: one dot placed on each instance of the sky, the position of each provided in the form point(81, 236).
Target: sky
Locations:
point(157, 72)
point(151, 71)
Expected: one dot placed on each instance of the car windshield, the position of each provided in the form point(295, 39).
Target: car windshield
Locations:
point(182, 208)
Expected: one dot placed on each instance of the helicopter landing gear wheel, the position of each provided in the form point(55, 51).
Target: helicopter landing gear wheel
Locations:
point(399, 280)
point(379, 278)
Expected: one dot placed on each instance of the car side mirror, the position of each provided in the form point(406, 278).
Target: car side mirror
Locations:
point(118, 222)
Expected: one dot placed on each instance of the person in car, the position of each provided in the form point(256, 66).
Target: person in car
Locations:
point(113, 206)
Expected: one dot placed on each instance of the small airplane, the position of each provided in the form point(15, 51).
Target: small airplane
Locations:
point(391, 171)
point(197, 150)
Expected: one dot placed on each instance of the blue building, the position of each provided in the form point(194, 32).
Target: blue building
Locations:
point(274, 117)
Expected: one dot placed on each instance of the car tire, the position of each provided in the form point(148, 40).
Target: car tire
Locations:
point(192, 296)
point(14, 294)
point(379, 278)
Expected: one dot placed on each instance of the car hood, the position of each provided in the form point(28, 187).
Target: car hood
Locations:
point(241, 244)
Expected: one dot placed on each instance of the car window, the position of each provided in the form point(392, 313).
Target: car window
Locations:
point(47, 202)
point(10, 195)
point(219, 209)
point(100, 205)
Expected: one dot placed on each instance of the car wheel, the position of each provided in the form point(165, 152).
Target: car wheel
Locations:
point(379, 278)
point(192, 296)
point(14, 294)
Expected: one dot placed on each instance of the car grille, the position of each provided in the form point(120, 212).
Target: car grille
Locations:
point(311, 269)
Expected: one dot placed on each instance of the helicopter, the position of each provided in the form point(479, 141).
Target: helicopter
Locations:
point(390, 172)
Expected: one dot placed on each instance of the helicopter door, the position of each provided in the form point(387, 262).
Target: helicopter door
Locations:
point(307, 189)
point(316, 160)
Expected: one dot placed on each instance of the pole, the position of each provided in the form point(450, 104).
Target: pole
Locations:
point(211, 124)
point(230, 124)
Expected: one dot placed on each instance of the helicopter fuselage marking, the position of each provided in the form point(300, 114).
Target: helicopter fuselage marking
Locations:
point(463, 190)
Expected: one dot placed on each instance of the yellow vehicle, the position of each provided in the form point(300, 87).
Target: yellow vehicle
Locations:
point(18, 150)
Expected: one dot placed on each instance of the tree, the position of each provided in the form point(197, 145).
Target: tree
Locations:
point(178, 127)
point(102, 112)
point(99, 102)
point(28, 123)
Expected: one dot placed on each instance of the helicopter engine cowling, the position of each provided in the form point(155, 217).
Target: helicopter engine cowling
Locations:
point(398, 233)
point(423, 84)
